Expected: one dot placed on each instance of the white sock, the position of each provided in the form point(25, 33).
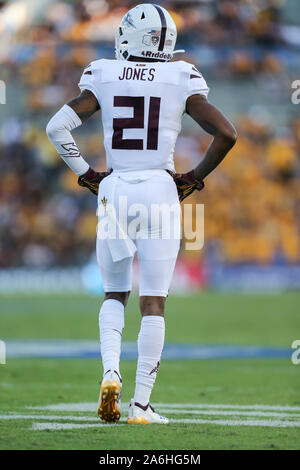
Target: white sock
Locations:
point(111, 324)
point(150, 345)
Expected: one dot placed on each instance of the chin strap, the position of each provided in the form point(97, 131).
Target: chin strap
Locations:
point(179, 51)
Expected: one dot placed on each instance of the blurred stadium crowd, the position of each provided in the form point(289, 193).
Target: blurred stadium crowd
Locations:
point(251, 201)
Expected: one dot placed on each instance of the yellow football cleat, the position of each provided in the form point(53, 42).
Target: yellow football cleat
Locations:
point(139, 414)
point(109, 406)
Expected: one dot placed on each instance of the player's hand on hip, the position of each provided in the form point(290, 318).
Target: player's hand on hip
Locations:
point(91, 179)
point(186, 183)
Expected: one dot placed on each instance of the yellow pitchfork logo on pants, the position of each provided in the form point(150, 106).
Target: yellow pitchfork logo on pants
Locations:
point(104, 202)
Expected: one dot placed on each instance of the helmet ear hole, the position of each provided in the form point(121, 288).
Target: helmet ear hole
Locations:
point(143, 16)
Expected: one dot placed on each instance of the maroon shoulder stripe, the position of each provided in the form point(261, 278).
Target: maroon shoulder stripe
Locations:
point(195, 76)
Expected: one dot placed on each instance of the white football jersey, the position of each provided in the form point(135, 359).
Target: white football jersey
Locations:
point(142, 105)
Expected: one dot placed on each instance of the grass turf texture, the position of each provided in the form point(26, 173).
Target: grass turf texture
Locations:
point(206, 318)
point(211, 318)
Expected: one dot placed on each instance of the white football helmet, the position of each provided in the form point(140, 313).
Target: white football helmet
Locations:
point(146, 31)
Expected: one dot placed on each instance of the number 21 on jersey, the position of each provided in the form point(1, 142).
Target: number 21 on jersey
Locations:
point(136, 122)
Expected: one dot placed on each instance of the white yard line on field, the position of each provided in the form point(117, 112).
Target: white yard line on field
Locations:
point(228, 406)
point(171, 411)
point(75, 421)
point(264, 414)
point(91, 406)
point(236, 422)
point(65, 426)
point(259, 423)
point(80, 407)
point(13, 416)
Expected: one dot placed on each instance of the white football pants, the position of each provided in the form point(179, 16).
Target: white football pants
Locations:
point(144, 216)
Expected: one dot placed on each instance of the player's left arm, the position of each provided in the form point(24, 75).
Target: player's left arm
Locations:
point(215, 123)
point(59, 128)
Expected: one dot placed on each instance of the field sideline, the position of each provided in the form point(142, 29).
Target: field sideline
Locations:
point(213, 404)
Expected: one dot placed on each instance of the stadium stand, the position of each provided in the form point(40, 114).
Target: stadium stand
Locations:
point(251, 201)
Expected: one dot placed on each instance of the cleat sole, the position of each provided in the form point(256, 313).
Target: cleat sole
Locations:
point(108, 410)
point(138, 420)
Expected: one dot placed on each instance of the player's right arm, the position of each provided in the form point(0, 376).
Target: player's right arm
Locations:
point(84, 105)
point(68, 118)
point(59, 128)
point(216, 124)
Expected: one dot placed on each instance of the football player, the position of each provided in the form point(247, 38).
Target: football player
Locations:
point(142, 95)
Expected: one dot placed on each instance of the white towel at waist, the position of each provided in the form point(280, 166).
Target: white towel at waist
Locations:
point(122, 246)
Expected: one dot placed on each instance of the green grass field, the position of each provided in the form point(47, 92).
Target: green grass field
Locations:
point(214, 404)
